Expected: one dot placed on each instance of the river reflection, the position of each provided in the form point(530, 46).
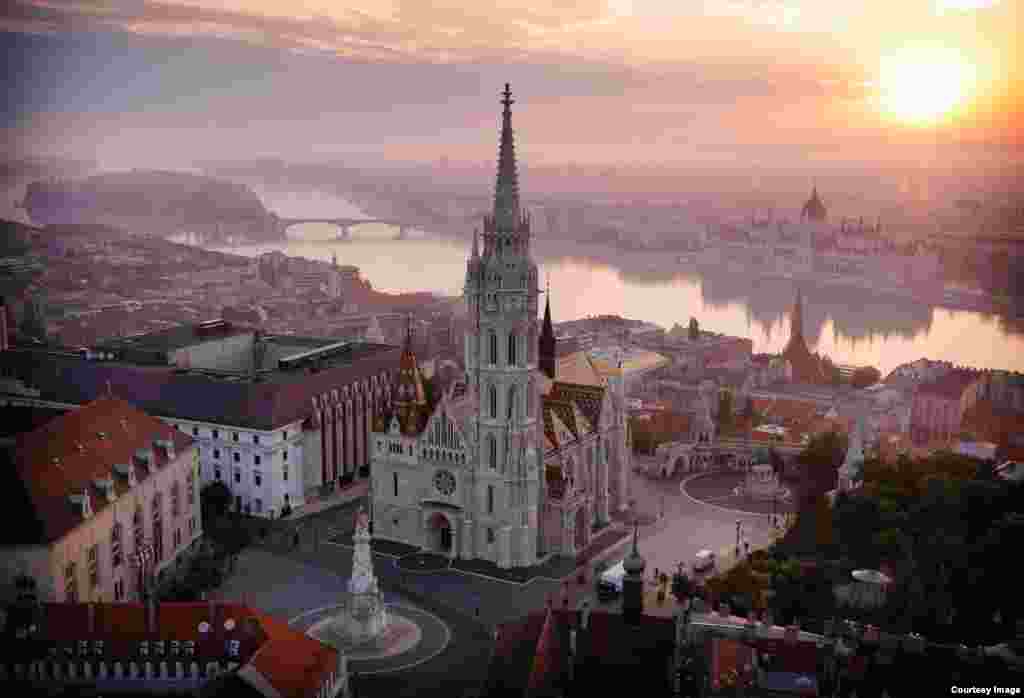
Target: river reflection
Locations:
point(851, 326)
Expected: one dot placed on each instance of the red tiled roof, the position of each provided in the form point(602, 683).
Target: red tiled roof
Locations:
point(65, 455)
point(293, 663)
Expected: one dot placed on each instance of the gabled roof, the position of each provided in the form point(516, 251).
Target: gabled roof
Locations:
point(66, 455)
point(588, 398)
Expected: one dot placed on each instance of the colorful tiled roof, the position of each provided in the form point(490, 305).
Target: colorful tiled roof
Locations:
point(66, 455)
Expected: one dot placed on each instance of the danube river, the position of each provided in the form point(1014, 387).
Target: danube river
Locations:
point(852, 326)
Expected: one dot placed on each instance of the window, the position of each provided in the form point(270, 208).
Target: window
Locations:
point(492, 338)
point(232, 647)
point(238, 476)
point(490, 535)
point(258, 506)
point(191, 487)
point(529, 399)
point(115, 546)
point(238, 457)
point(192, 525)
point(258, 478)
point(256, 439)
point(118, 590)
point(175, 648)
point(492, 451)
point(490, 499)
point(234, 436)
point(512, 346)
point(257, 460)
point(177, 537)
point(175, 499)
point(94, 571)
point(394, 482)
point(512, 411)
point(216, 454)
point(70, 584)
point(284, 434)
point(195, 431)
point(137, 525)
point(284, 454)
point(216, 434)
point(284, 473)
point(492, 397)
point(216, 473)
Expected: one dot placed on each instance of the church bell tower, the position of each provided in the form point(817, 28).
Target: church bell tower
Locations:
point(501, 363)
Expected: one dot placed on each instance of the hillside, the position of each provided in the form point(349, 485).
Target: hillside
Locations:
point(160, 201)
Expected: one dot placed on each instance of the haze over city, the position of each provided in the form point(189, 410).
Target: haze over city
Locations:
point(744, 83)
point(511, 350)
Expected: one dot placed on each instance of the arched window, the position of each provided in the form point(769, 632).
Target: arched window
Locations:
point(493, 399)
point(529, 399)
point(115, 545)
point(492, 451)
point(512, 354)
point(175, 499)
point(492, 337)
point(513, 408)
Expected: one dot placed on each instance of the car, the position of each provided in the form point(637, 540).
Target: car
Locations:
point(703, 560)
point(609, 584)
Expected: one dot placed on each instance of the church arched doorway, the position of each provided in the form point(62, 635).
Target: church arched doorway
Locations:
point(441, 533)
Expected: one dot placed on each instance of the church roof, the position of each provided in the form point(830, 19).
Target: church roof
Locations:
point(577, 368)
point(588, 398)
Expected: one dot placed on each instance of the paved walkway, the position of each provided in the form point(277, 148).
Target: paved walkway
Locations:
point(340, 497)
point(717, 489)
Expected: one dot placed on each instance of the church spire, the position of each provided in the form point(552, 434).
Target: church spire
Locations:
point(506, 191)
point(547, 342)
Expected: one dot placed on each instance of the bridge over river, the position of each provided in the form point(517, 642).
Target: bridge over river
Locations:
point(344, 225)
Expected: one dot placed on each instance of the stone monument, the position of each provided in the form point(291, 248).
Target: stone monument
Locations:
point(762, 482)
point(365, 616)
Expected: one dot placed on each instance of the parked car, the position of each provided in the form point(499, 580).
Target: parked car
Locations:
point(704, 560)
point(609, 584)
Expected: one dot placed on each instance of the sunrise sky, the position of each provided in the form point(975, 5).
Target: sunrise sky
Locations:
point(134, 82)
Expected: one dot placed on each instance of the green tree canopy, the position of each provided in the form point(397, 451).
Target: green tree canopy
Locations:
point(865, 376)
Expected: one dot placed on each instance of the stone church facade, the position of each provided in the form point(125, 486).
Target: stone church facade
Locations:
point(508, 464)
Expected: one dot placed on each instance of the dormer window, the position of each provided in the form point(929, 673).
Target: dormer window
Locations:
point(175, 648)
point(83, 648)
point(144, 648)
point(158, 648)
point(190, 648)
point(233, 647)
point(97, 647)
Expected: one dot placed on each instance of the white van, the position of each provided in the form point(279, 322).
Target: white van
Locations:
point(704, 559)
point(609, 584)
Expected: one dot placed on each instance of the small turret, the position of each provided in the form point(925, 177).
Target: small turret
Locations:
point(633, 584)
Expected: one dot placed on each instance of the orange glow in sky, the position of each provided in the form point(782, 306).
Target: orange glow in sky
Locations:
point(924, 85)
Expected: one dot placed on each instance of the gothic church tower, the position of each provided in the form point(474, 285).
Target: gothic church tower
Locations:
point(501, 363)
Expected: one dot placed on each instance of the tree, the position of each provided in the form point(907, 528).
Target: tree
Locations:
point(820, 461)
point(694, 330)
point(214, 501)
point(865, 376)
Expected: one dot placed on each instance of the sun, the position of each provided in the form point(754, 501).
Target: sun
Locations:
point(923, 85)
